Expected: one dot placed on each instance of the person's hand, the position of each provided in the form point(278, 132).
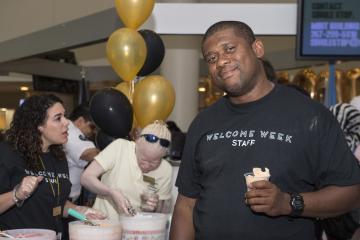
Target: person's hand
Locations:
point(149, 201)
point(27, 187)
point(266, 197)
point(91, 213)
point(121, 202)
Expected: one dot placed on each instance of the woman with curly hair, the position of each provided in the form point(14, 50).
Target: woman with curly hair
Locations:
point(34, 174)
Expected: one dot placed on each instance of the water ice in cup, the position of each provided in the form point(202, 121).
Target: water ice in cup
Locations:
point(257, 175)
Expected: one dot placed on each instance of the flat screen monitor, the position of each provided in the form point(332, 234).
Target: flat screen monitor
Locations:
point(328, 30)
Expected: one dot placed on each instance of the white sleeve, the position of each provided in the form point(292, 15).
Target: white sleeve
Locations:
point(107, 157)
point(76, 145)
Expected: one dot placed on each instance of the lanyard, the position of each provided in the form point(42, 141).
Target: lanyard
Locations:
point(57, 207)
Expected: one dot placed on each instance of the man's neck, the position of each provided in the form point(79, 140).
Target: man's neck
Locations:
point(263, 88)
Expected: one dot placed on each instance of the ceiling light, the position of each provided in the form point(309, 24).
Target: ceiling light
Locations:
point(24, 88)
point(202, 89)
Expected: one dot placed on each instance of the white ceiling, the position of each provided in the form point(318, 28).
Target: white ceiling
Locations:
point(227, 1)
point(280, 50)
point(94, 55)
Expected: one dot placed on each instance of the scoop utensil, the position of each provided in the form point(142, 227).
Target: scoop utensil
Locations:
point(6, 235)
point(81, 217)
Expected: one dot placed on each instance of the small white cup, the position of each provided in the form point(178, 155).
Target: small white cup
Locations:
point(250, 178)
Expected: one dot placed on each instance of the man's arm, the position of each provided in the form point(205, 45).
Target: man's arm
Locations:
point(182, 227)
point(90, 180)
point(331, 201)
point(89, 154)
point(327, 202)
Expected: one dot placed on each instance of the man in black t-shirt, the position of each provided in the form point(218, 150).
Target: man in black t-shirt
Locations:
point(259, 124)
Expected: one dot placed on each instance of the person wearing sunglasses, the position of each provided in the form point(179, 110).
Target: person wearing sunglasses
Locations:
point(134, 175)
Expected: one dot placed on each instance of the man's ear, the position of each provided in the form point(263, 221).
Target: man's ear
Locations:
point(82, 120)
point(258, 48)
point(79, 122)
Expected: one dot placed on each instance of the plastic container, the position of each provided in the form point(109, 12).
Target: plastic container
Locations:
point(144, 226)
point(108, 230)
point(31, 234)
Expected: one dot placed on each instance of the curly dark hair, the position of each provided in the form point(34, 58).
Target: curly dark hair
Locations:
point(81, 111)
point(24, 135)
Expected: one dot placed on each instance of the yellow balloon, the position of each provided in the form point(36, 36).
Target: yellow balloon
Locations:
point(154, 99)
point(134, 13)
point(126, 51)
point(343, 86)
point(354, 76)
point(306, 79)
point(124, 87)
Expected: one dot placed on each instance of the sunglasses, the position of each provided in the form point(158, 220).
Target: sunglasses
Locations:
point(153, 139)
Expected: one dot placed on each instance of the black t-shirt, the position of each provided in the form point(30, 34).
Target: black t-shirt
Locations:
point(37, 210)
point(298, 139)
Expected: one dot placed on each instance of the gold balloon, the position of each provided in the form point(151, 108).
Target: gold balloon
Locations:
point(282, 77)
point(127, 89)
point(213, 93)
point(154, 99)
point(306, 79)
point(133, 13)
point(124, 87)
point(343, 86)
point(354, 76)
point(126, 51)
point(320, 87)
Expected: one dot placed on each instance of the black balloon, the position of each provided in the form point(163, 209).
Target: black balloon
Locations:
point(102, 140)
point(155, 52)
point(112, 112)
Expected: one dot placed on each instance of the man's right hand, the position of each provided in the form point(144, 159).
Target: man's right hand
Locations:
point(122, 203)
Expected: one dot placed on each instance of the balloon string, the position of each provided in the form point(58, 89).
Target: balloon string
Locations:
point(131, 90)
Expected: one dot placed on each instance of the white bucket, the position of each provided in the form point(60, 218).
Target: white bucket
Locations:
point(144, 226)
point(108, 230)
point(31, 234)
